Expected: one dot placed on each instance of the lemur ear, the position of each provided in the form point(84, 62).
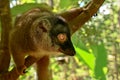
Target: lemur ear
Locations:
point(62, 37)
point(41, 24)
point(46, 24)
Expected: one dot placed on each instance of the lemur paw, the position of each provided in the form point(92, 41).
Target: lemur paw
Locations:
point(21, 69)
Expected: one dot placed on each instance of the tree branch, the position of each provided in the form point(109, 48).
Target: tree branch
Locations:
point(78, 16)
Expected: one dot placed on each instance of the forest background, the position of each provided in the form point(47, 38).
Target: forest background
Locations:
point(97, 42)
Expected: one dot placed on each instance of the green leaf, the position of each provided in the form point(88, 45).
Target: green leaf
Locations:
point(19, 9)
point(67, 3)
point(100, 62)
point(88, 58)
point(79, 43)
point(96, 61)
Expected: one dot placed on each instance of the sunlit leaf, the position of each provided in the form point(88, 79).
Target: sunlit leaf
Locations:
point(28, 1)
point(88, 58)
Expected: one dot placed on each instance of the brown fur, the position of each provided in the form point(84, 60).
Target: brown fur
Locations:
point(36, 35)
point(30, 37)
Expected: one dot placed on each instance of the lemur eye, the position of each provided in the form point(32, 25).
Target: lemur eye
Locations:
point(62, 37)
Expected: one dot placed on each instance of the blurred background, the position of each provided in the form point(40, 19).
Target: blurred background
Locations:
point(97, 43)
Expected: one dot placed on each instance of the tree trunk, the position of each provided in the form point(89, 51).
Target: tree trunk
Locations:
point(6, 25)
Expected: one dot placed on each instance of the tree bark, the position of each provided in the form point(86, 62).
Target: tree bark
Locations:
point(78, 16)
point(6, 26)
point(75, 17)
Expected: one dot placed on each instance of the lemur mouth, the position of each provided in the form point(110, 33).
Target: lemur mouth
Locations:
point(69, 52)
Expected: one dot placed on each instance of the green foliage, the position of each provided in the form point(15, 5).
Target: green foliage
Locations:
point(19, 9)
point(30, 75)
point(28, 1)
point(101, 29)
point(93, 42)
point(96, 61)
point(79, 43)
point(100, 62)
point(65, 4)
point(87, 58)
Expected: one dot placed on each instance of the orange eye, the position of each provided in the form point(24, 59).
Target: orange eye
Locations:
point(62, 37)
